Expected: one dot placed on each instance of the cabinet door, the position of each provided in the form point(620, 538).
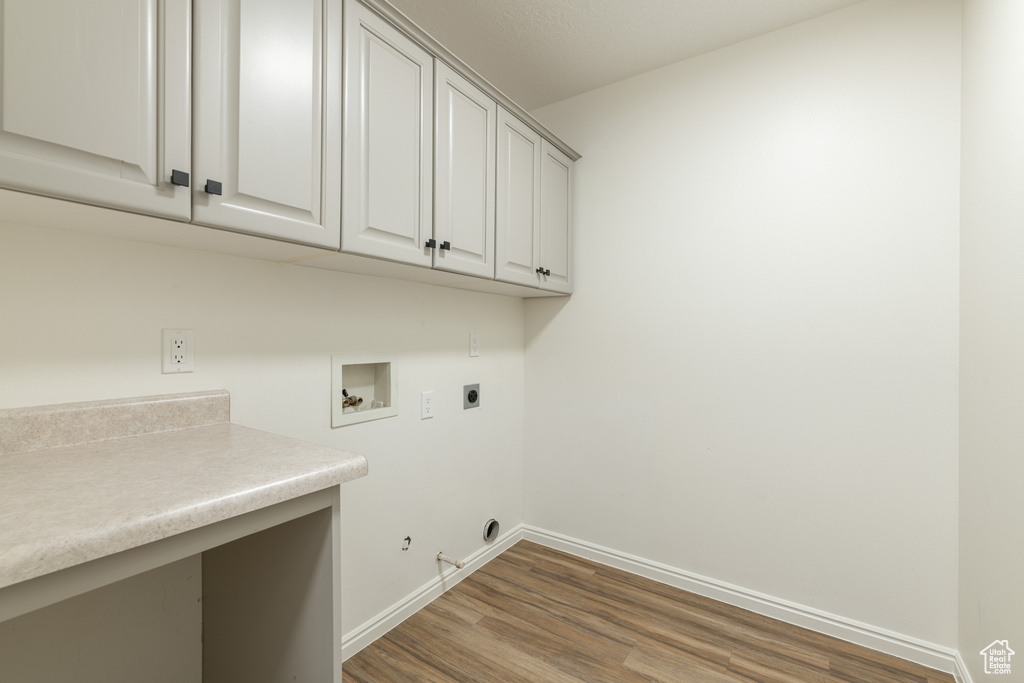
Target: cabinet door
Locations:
point(518, 218)
point(267, 118)
point(463, 175)
point(555, 220)
point(95, 101)
point(387, 184)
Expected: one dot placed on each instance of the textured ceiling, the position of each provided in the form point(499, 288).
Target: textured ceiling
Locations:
point(542, 51)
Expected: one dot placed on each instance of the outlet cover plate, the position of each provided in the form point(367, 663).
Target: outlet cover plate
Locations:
point(178, 351)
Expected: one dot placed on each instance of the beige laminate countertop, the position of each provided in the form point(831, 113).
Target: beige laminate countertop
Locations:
point(60, 507)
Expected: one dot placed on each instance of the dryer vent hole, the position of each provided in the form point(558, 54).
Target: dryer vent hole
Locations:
point(491, 530)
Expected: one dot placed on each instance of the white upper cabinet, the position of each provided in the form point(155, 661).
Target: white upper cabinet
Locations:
point(534, 220)
point(555, 256)
point(267, 122)
point(464, 182)
point(518, 202)
point(331, 124)
point(387, 185)
point(94, 101)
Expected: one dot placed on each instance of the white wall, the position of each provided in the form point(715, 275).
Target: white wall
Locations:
point(82, 317)
point(992, 334)
point(756, 379)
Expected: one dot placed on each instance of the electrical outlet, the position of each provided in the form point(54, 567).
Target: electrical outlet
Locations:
point(470, 396)
point(474, 344)
point(178, 351)
point(427, 405)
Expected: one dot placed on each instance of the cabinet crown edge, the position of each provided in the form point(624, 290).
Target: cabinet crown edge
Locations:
point(431, 45)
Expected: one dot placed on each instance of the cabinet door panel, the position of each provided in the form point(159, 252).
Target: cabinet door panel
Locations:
point(518, 218)
point(555, 219)
point(81, 86)
point(393, 138)
point(265, 77)
point(464, 175)
point(387, 183)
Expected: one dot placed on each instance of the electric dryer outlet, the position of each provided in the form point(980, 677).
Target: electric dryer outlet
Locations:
point(470, 396)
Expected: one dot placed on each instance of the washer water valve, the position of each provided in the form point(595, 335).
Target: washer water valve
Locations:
point(350, 401)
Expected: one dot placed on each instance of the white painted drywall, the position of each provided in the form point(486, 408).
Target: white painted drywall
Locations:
point(756, 379)
point(992, 334)
point(81, 320)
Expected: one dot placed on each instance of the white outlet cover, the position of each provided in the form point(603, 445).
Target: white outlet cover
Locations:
point(427, 405)
point(178, 351)
point(474, 344)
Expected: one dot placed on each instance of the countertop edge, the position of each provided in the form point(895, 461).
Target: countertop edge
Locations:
point(124, 532)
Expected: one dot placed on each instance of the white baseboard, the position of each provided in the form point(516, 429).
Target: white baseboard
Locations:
point(882, 640)
point(355, 640)
point(961, 674)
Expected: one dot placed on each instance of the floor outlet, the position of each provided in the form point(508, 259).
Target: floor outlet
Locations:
point(178, 351)
point(427, 405)
point(474, 344)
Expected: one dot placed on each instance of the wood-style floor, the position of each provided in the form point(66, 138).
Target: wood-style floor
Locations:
point(536, 614)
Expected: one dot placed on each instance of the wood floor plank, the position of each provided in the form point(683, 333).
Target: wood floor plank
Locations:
point(516, 592)
point(534, 614)
point(862, 670)
point(810, 640)
point(463, 599)
point(555, 624)
point(509, 580)
point(572, 565)
point(390, 663)
point(840, 650)
point(459, 610)
point(764, 667)
point(657, 662)
point(518, 560)
point(609, 609)
point(654, 626)
point(458, 657)
point(465, 653)
point(733, 624)
point(565, 655)
point(657, 621)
